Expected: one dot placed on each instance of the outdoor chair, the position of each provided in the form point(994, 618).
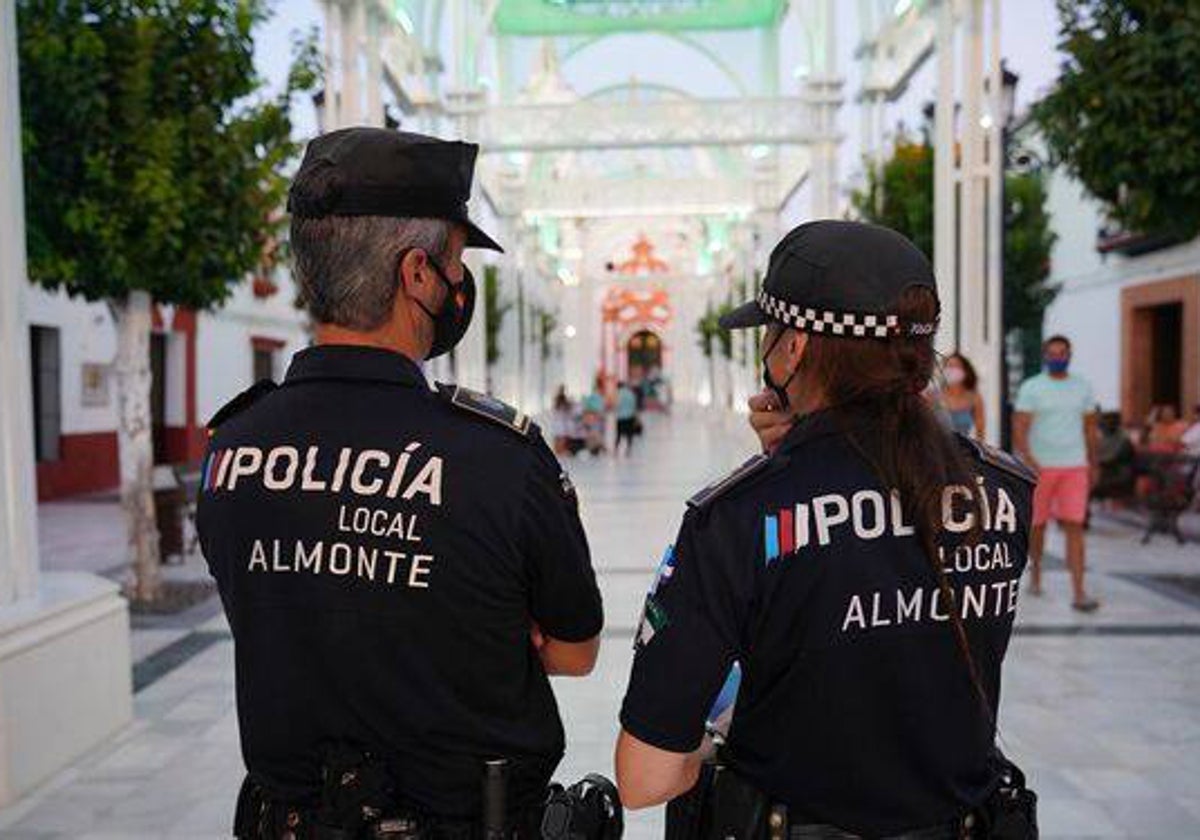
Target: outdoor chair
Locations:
point(188, 477)
point(1166, 489)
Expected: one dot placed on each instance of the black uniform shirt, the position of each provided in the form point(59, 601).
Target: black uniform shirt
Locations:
point(381, 554)
point(856, 705)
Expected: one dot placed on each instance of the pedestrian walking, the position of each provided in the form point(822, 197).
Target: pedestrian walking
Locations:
point(628, 424)
point(1054, 430)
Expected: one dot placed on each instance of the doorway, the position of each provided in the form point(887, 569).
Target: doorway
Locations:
point(158, 396)
point(1161, 347)
point(644, 354)
point(1166, 355)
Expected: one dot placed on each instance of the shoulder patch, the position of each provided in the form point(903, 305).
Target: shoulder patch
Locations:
point(485, 405)
point(1001, 459)
point(718, 488)
point(241, 402)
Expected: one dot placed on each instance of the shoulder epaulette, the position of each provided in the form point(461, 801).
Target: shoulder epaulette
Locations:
point(718, 488)
point(1001, 459)
point(485, 405)
point(241, 402)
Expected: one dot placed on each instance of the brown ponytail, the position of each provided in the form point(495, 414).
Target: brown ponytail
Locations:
point(874, 391)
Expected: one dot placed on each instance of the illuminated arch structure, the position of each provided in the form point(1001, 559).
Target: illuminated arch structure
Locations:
point(697, 126)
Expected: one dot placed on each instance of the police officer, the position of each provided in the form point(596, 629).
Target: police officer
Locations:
point(401, 567)
point(863, 575)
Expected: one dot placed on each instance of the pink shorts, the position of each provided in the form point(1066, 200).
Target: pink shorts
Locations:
point(1062, 494)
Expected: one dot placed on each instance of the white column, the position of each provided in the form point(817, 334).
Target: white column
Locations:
point(945, 219)
point(824, 86)
point(18, 500)
point(970, 222)
point(332, 65)
point(350, 110)
point(64, 636)
point(374, 80)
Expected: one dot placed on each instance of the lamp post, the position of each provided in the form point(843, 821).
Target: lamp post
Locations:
point(1008, 98)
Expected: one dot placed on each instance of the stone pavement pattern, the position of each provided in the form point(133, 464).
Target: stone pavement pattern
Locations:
point(1103, 711)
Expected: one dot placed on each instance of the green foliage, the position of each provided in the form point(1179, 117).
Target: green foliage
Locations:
point(706, 331)
point(547, 323)
point(494, 311)
point(709, 333)
point(900, 194)
point(1028, 242)
point(901, 197)
point(152, 161)
point(1124, 117)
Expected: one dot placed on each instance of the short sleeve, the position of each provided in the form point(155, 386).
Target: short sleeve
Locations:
point(1026, 397)
point(1089, 397)
point(564, 598)
point(690, 636)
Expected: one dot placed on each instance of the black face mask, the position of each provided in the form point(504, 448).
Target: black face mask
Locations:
point(451, 321)
point(778, 389)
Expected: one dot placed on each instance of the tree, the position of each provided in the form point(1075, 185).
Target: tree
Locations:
point(900, 196)
point(1027, 246)
point(494, 311)
point(1124, 116)
point(712, 338)
point(152, 161)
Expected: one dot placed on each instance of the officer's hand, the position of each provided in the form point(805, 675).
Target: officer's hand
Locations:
point(768, 421)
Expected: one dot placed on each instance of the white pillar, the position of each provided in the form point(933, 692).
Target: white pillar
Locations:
point(970, 223)
point(824, 86)
point(332, 66)
point(64, 636)
point(945, 218)
point(18, 501)
point(350, 107)
point(374, 80)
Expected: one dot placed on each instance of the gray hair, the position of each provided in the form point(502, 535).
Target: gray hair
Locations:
point(345, 266)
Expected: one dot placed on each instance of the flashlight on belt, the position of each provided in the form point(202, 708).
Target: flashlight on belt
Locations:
point(495, 799)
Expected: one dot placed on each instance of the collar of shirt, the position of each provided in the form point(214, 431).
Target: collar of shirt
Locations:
point(354, 363)
point(819, 424)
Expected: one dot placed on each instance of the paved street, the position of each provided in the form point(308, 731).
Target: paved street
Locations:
point(1103, 710)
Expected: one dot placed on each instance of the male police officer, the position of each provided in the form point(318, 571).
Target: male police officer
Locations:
point(401, 568)
point(864, 576)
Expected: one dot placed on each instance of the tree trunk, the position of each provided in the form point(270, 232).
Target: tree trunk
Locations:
point(135, 444)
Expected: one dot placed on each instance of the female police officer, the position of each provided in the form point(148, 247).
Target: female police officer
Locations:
point(863, 575)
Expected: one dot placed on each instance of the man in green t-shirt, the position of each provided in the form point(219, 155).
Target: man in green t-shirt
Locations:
point(1055, 431)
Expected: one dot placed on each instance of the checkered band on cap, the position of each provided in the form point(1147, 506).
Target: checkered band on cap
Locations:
point(834, 323)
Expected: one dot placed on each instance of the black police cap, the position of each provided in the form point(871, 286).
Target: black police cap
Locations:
point(380, 172)
point(839, 278)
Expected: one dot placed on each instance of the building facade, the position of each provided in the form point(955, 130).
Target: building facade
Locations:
point(198, 359)
point(1130, 305)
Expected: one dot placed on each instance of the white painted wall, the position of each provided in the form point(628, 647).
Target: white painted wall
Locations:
point(1088, 308)
point(86, 336)
point(224, 352)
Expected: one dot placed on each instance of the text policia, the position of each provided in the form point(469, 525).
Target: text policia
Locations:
point(404, 479)
point(869, 514)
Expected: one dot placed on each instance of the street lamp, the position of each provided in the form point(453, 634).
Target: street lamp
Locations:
point(1008, 106)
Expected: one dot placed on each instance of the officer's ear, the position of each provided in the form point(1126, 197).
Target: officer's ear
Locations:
point(413, 268)
point(797, 340)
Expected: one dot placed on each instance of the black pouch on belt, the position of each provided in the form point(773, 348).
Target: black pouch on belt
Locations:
point(722, 805)
point(1010, 813)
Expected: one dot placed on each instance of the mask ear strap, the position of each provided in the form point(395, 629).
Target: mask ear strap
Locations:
point(436, 270)
point(780, 390)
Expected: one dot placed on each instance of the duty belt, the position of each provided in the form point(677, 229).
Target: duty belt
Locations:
point(957, 830)
point(260, 817)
